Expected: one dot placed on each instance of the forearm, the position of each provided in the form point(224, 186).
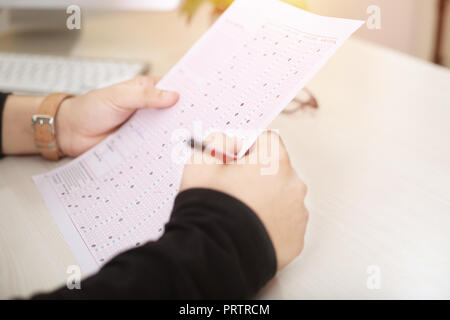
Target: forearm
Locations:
point(214, 247)
point(17, 134)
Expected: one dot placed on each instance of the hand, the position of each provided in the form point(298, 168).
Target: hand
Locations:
point(277, 199)
point(83, 121)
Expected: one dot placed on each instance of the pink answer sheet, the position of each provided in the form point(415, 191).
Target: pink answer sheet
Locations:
point(239, 76)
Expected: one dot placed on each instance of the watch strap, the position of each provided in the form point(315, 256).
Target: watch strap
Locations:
point(44, 126)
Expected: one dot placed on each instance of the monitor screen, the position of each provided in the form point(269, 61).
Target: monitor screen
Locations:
point(163, 5)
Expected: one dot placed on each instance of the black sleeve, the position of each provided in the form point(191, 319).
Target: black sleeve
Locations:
point(3, 97)
point(214, 247)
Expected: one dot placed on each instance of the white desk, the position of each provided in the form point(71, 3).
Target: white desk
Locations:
point(376, 158)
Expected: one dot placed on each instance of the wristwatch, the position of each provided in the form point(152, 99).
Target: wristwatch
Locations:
point(43, 125)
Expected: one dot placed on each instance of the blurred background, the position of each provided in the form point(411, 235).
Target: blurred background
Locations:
point(155, 34)
point(410, 26)
point(417, 27)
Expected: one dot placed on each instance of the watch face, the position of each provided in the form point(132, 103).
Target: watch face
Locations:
point(43, 125)
point(43, 131)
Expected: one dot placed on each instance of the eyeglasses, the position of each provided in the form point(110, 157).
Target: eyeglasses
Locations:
point(303, 100)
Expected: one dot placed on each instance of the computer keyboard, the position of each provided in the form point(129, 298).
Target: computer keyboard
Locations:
point(42, 74)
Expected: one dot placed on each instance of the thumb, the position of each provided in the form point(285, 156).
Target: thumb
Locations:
point(140, 93)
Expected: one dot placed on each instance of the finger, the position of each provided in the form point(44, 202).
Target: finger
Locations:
point(139, 93)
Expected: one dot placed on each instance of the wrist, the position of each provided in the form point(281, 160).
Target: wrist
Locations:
point(62, 127)
point(17, 132)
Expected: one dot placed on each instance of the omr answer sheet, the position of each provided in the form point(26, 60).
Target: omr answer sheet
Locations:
point(239, 75)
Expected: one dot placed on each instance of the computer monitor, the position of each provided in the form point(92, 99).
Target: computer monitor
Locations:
point(35, 15)
point(159, 5)
point(23, 22)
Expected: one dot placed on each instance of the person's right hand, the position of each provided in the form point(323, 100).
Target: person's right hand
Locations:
point(277, 199)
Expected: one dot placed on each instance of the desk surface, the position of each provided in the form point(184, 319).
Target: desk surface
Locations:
point(376, 158)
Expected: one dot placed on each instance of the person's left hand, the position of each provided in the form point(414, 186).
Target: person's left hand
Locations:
point(83, 121)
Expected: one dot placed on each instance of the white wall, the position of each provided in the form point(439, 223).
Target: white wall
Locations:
point(406, 25)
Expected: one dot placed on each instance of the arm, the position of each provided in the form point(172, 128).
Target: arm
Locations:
point(213, 247)
point(17, 137)
point(83, 121)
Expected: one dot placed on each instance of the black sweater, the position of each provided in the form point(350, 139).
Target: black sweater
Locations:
point(214, 247)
